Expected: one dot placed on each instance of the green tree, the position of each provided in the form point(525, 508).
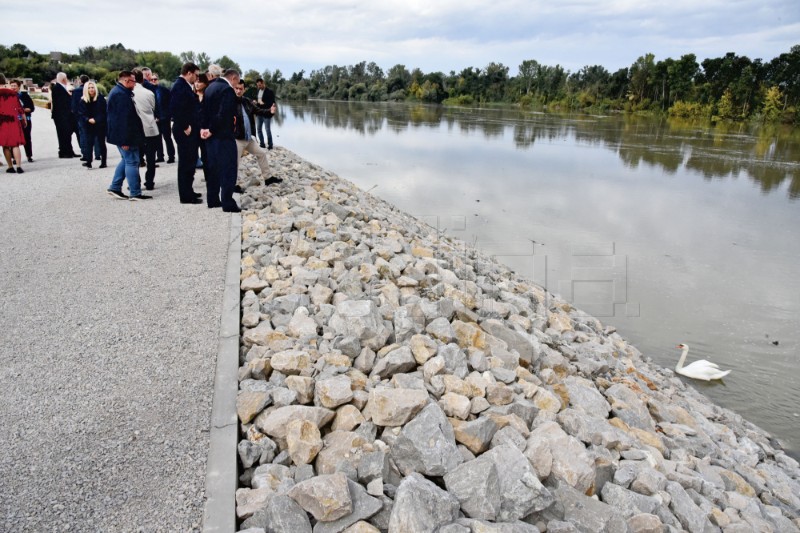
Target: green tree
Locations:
point(773, 104)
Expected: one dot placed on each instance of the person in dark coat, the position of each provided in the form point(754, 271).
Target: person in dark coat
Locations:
point(162, 106)
point(184, 108)
point(75, 102)
point(91, 113)
point(126, 132)
point(62, 115)
point(28, 108)
point(218, 121)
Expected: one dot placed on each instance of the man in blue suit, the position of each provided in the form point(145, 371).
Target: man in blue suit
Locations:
point(185, 111)
point(218, 116)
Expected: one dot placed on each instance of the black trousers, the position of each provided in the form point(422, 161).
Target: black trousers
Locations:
point(95, 138)
point(149, 156)
point(221, 169)
point(64, 132)
point(166, 136)
point(187, 159)
point(28, 145)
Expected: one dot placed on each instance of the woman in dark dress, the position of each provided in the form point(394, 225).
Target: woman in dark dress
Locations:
point(92, 113)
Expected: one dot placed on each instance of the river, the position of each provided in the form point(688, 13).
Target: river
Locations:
point(669, 231)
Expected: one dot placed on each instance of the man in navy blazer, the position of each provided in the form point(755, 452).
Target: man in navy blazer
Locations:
point(218, 117)
point(185, 111)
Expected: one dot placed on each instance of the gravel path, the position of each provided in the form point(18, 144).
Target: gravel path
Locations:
point(109, 312)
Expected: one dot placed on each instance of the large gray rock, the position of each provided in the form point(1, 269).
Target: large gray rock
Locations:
point(455, 361)
point(395, 407)
point(627, 406)
point(326, 497)
point(591, 430)
point(426, 444)
point(570, 461)
point(360, 319)
point(628, 502)
point(284, 515)
point(397, 361)
point(476, 434)
point(522, 492)
point(364, 506)
point(421, 507)
point(275, 423)
point(586, 514)
point(477, 487)
point(526, 347)
point(584, 396)
point(691, 517)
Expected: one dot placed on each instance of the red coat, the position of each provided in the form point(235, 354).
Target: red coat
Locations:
point(11, 116)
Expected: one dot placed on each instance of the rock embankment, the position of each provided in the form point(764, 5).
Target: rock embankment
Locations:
point(395, 380)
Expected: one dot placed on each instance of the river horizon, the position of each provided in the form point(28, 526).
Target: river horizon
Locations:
point(671, 232)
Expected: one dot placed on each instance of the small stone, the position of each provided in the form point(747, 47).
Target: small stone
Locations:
point(249, 404)
point(304, 441)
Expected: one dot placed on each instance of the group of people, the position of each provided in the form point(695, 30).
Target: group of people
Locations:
point(16, 107)
point(203, 112)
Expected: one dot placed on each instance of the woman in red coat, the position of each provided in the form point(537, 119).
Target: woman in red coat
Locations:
point(12, 125)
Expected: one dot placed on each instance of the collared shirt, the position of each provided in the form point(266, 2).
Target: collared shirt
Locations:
point(247, 133)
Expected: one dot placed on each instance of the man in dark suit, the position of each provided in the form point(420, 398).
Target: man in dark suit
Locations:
point(60, 108)
point(218, 117)
point(77, 127)
point(265, 98)
point(185, 111)
point(162, 105)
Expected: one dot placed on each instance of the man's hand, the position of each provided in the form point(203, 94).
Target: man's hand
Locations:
point(187, 131)
point(205, 134)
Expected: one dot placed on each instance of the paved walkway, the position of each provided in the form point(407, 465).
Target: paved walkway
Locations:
point(109, 320)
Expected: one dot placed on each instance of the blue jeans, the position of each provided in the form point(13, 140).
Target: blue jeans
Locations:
point(128, 168)
point(264, 121)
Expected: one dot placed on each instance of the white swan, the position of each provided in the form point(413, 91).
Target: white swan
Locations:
point(701, 369)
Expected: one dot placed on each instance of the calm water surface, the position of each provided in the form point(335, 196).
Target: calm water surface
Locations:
point(671, 232)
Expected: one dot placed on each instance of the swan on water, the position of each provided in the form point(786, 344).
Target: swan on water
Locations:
point(702, 369)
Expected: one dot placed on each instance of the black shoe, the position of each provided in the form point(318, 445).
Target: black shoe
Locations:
point(66, 156)
point(140, 197)
point(102, 165)
point(170, 160)
point(193, 201)
point(197, 195)
point(20, 171)
point(87, 165)
point(13, 161)
point(142, 164)
point(234, 209)
point(237, 189)
point(30, 160)
point(83, 159)
point(160, 160)
point(262, 145)
point(119, 195)
point(11, 170)
point(149, 187)
point(270, 147)
point(272, 180)
point(214, 206)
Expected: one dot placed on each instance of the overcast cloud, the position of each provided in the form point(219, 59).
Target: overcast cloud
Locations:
point(433, 35)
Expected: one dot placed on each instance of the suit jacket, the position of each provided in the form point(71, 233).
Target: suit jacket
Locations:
point(268, 97)
point(218, 112)
point(27, 103)
point(124, 126)
point(60, 103)
point(184, 107)
point(95, 110)
point(77, 95)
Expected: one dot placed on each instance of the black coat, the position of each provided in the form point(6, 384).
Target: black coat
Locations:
point(27, 103)
point(218, 112)
point(124, 126)
point(95, 110)
point(60, 103)
point(184, 107)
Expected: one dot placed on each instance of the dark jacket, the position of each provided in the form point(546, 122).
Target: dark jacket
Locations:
point(75, 99)
point(95, 110)
point(124, 126)
point(184, 107)
point(252, 110)
point(27, 103)
point(218, 112)
point(60, 103)
point(268, 97)
point(162, 104)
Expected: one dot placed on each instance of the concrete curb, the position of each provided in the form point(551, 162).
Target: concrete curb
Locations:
point(219, 514)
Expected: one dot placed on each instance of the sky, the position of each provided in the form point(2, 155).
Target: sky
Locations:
point(434, 35)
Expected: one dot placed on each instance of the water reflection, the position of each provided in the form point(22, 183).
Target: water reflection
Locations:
point(769, 155)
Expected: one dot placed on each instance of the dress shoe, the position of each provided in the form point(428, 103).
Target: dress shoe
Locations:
point(272, 180)
point(237, 189)
point(86, 164)
point(232, 209)
point(149, 187)
point(102, 165)
point(193, 201)
point(160, 160)
point(30, 160)
point(170, 160)
point(214, 206)
point(66, 156)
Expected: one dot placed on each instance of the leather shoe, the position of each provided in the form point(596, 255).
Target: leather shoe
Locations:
point(272, 180)
point(197, 195)
point(195, 201)
point(233, 209)
point(237, 189)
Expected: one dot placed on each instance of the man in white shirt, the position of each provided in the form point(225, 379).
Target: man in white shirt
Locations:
point(145, 102)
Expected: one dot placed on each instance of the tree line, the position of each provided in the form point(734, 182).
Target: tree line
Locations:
point(729, 87)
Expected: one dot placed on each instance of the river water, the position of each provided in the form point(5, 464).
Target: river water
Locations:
point(669, 231)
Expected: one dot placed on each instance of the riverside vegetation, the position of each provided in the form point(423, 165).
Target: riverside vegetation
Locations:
point(731, 87)
point(393, 379)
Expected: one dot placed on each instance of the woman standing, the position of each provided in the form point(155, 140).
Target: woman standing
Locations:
point(92, 114)
point(12, 126)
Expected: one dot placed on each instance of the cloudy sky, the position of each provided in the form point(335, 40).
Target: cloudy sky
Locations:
point(433, 35)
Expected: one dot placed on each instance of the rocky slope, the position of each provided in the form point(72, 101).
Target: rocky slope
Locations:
point(393, 379)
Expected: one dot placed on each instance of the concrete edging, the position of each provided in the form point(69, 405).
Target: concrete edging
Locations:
point(219, 513)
